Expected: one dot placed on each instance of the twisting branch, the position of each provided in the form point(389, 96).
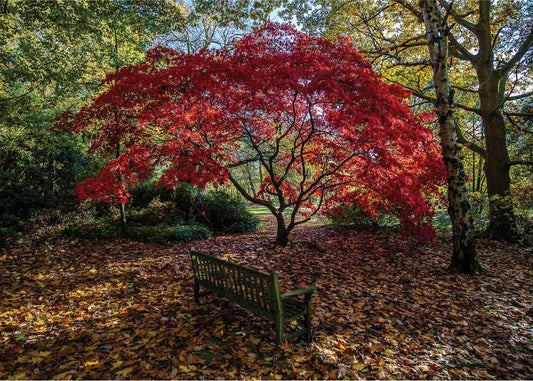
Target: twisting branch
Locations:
point(459, 50)
point(520, 162)
point(524, 48)
point(467, 143)
point(519, 96)
point(460, 19)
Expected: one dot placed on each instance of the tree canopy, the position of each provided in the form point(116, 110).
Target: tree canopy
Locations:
point(324, 126)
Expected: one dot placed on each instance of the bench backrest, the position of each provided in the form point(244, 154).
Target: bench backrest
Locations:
point(250, 288)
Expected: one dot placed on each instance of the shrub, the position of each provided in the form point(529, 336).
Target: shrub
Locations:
point(18, 202)
point(155, 213)
point(184, 197)
point(168, 233)
point(16, 197)
point(143, 194)
point(100, 227)
point(223, 213)
point(161, 233)
point(354, 215)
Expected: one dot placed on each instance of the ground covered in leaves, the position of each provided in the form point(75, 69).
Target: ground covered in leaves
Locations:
point(123, 309)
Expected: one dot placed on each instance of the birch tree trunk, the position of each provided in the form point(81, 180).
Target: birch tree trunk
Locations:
point(464, 258)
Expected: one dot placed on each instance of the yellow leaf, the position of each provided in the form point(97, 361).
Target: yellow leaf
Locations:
point(36, 360)
point(63, 376)
point(188, 368)
point(254, 340)
point(359, 367)
point(125, 371)
point(117, 364)
point(301, 358)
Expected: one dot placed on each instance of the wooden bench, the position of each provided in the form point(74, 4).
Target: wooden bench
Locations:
point(253, 290)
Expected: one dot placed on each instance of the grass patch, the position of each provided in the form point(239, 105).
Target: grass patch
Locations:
point(259, 210)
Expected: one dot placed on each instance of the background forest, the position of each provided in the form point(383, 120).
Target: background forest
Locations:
point(55, 56)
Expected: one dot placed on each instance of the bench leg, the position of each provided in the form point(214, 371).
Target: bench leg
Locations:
point(196, 292)
point(308, 334)
point(279, 331)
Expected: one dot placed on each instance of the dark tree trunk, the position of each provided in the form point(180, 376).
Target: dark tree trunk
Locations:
point(464, 257)
point(502, 224)
point(282, 235)
point(123, 224)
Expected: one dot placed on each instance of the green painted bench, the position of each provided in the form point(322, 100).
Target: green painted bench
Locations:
point(253, 290)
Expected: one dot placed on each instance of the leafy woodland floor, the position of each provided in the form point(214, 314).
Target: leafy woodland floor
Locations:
point(122, 309)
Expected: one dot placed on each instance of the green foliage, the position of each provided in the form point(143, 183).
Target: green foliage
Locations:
point(164, 221)
point(217, 210)
point(184, 198)
point(17, 197)
point(223, 213)
point(354, 215)
point(143, 194)
point(51, 163)
point(53, 57)
point(442, 220)
point(100, 227)
point(155, 213)
point(103, 227)
point(18, 201)
point(168, 233)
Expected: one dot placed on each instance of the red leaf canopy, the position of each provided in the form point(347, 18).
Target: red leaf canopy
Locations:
point(325, 127)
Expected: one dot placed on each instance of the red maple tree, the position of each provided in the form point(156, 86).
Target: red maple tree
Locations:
point(326, 129)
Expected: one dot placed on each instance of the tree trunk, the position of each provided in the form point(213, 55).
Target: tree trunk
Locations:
point(464, 258)
point(282, 236)
point(491, 91)
point(122, 206)
point(502, 224)
point(123, 224)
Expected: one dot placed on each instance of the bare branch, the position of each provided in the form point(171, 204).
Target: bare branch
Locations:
point(414, 11)
point(519, 114)
point(501, 72)
point(464, 89)
point(520, 162)
point(250, 198)
point(519, 96)
point(467, 143)
point(457, 17)
point(459, 50)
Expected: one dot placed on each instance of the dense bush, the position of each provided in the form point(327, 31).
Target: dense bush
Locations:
point(107, 228)
point(184, 197)
point(216, 210)
point(168, 233)
point(187, 214)
point(100, 227)
point(143, 194)
point(354, 215)
point(155, 213)
point(18, 201)
point(223, 213)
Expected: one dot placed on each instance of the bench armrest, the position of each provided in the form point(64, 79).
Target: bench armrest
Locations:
point(299, 292)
